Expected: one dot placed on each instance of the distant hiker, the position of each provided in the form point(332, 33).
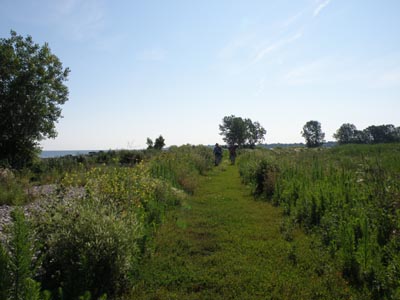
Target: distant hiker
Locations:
point(232, 153)
point(218, 154)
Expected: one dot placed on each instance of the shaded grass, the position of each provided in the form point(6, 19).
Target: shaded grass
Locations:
point(224, 245)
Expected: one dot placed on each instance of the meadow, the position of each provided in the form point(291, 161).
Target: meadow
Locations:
point(89, 246)
point(349, 196)
point(291, 223)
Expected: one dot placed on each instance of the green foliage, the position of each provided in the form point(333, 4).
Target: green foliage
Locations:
point(181, 165)
point(382, 134)
point(95, 244)
point(313, 134)
point(149, 143)
point(13, 188)
point(259, 170)
point(21, 258)
point(89, 246)
point(225, 246)
point(5, 280)
point(348, 133)
point(31, 92)
point(17, 262)
point(159, 143)
point(349, 195)
point(32, 289)
point(52, 170)
point(238, 131)
point(255, 133)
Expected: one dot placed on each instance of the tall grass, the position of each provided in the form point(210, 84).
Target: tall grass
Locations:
point(181, 165)
point(350, 195)
point(13, 188)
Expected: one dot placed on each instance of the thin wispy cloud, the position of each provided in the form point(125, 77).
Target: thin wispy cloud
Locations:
point(292, 20)
point(300, 75)
point(309, 73)
point(261, 54)
point(320, 7)
point(250, 46)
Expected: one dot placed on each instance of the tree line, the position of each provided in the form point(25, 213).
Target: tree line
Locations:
point(349, 134)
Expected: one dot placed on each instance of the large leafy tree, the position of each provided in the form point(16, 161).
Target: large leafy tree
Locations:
point(234, 130)
point(255, 132)
point(31, 92)
point(382, 134)
point(241, 132)
point(346, 134)
point(149, 143)
point(313, 134)
point(159, 143)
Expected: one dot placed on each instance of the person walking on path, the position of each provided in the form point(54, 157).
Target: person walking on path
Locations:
point(218, 154)
point(232, 153)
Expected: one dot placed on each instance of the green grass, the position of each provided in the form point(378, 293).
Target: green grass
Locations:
point(349, 196)
point(222, 244)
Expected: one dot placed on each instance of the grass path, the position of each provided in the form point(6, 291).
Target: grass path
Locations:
point(223, 244)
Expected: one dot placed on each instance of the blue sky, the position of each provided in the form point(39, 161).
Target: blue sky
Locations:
point(144, 68)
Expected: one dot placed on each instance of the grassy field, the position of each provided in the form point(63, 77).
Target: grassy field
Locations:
point(348, 196)
point(222, 244)
point(282, 224)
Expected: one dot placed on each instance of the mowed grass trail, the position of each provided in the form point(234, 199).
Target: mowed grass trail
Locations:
point(223, 244)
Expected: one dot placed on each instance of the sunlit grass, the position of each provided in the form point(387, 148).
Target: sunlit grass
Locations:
point(224, 245)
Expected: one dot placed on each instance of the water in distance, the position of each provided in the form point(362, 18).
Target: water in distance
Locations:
point(59, 153)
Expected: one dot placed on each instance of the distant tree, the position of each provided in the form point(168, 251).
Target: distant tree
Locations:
point(31, 92)
point(313, 134)
point(159, 143)
point(346, 134)
point(361, 137)
point(149, 143)
point(234, 130)
point(397, 134)
point(382, 134)
point(373, 134)
point(255, 133)
point(237, 131)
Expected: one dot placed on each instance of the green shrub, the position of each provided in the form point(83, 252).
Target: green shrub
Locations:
point(17, 264)
point(258, 169)
point(89, 246)
point(13, 189)
point(5, 272)
point(266, 176)
point(94, 244)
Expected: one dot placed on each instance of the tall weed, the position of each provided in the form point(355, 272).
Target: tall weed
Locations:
point(349, 195)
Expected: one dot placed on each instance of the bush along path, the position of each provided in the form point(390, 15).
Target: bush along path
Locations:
point(223, 244)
